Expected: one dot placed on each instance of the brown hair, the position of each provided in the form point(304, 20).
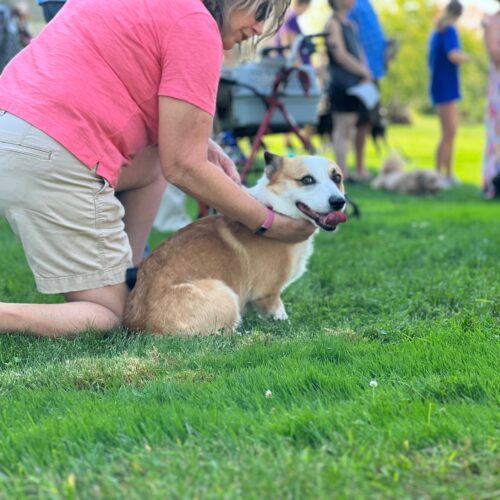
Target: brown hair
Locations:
point(302, 2)
point(450, 14)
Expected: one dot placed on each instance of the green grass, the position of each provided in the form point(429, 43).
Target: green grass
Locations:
point(408, 295)
point(417, 144)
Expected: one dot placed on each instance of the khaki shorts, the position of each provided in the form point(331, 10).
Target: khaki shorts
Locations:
point(68, 218)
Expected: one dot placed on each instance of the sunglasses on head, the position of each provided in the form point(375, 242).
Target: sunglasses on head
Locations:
point(263, 11)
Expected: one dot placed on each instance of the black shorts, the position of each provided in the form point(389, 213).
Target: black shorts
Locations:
point(341, 102)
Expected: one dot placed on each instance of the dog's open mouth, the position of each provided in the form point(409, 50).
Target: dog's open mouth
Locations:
point(328, 221)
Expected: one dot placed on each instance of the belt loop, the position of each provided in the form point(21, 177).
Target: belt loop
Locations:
point(2, 112)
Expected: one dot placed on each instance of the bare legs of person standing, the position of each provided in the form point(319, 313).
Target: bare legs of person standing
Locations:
point(362, 132)
point(342, 135)
point(448, 118)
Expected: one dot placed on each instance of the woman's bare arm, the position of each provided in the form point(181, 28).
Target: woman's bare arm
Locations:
point(184, 134)
point(456, 56)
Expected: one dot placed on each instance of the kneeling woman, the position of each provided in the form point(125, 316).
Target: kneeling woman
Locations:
point(83, 109)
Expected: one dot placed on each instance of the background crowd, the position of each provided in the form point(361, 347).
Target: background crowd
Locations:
point(358, 50)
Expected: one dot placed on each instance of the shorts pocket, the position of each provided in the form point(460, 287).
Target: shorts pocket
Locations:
point(35, 152)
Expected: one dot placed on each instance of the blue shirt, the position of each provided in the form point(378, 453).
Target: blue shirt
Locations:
point(444, 78)
point(40, 2)
point(370, 35)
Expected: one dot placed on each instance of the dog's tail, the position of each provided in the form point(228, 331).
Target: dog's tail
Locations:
point(200, 307)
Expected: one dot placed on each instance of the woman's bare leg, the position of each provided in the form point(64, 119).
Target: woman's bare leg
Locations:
point(344, 124)
point(359, 150)
point(140, 189)
point(448, 117)
point(98, 309)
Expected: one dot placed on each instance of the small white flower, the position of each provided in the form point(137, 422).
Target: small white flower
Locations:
point(269, 394)
point(373, 383)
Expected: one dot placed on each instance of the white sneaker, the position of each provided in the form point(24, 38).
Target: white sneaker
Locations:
point(450, 181)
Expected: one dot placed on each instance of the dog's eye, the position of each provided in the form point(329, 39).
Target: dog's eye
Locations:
point(307, 180)
point(337, 178)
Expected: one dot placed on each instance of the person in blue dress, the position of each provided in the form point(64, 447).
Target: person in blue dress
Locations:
point(444, 57)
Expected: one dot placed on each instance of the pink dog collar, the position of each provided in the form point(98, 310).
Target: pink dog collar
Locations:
point(268, 222)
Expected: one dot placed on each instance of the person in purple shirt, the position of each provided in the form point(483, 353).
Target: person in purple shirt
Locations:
point(444, 58)
point(286, 36)
point(291, 27)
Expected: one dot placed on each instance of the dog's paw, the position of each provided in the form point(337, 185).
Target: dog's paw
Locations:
point(280, 314)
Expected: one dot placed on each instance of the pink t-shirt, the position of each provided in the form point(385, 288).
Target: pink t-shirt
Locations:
point(92, 78)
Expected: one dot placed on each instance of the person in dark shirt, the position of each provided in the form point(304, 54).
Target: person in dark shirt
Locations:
point(347, 67)
point(50, 8)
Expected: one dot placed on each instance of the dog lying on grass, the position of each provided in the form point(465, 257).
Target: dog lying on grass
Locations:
point(202, 279)
point(392, 177)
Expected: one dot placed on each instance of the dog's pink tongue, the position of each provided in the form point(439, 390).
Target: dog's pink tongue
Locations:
point(334, 218)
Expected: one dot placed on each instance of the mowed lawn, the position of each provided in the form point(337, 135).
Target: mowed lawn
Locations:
point(384, 383)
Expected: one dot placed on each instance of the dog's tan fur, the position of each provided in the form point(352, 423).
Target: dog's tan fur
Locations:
point(201, 280)
point(392, 177)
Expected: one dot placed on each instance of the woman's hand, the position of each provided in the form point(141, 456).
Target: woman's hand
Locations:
point(366, 75)
point(290, 230)
point(218, 156)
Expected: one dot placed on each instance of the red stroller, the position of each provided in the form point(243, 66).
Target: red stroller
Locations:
point(251, 94)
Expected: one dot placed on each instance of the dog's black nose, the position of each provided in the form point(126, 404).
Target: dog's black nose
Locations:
point(336, 202)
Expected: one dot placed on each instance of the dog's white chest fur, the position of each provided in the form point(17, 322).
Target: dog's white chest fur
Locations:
point(299, 266)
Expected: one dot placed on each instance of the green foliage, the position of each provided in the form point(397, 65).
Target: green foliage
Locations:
point(406, 83)
point(474, 78)
point(410, 24)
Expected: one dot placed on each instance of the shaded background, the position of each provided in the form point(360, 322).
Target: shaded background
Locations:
point(404, 89)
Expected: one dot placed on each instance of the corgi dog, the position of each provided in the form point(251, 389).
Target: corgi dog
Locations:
point(202, 279)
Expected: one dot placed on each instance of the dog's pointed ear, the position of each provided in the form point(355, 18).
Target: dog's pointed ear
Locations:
point(273, 163)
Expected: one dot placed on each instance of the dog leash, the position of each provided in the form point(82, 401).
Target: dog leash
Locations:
point(356, 212)
point(131, 277)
